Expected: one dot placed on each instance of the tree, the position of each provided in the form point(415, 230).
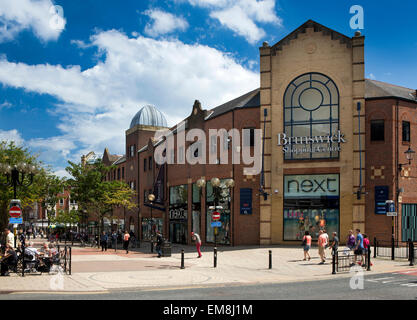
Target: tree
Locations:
point(11, 155)
point(50, 188)
point(95, 195)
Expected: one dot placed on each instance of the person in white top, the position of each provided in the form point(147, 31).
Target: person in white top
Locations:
point(32, 251)
point(9, 237)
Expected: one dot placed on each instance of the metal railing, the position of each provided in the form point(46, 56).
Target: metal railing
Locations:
point(394, 249)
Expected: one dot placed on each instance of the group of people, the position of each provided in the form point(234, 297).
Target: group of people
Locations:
point(359, 244)
point(105, 238)
point(42, 258)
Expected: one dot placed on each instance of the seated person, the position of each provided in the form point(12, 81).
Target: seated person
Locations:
point(45, 249)
point(8, 261)
point(32, 251)
point(52, 250)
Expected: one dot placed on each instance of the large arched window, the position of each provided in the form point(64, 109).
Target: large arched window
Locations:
point(311, 109)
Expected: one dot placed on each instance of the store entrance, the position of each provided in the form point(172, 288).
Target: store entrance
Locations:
point(178, 232)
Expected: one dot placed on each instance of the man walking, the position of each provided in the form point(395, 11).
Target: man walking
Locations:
point(197, 240)
point(103, 241)
point(359, 246)
point(159, 242)
point(322, 242)
point(335, 243)
point(126, 238)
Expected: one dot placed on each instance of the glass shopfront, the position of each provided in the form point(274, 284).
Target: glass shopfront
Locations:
point(178, 214)
point(223, 232)
point(151, 226)
point(311, 203)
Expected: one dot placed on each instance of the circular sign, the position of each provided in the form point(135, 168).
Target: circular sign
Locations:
point(216, 215)
point(15, 212)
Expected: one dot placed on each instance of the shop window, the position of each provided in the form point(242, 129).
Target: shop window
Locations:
point(377, 130)
point(311, 203)
point(311, 108)
point(406, 131)
point(196, 210)
point(178, 214)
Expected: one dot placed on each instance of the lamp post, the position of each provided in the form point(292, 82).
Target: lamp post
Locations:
point(151, 198)
point(16, 176)
point(218, 193)
point(409, 154)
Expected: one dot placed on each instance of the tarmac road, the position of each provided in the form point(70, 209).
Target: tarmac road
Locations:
point(391, 286)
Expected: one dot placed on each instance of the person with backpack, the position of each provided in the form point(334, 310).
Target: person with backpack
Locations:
point(306, 245)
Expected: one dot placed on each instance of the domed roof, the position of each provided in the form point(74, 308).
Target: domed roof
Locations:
point(149, 116)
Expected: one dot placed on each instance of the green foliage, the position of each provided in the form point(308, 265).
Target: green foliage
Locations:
point(93, 194)
point(10, 154)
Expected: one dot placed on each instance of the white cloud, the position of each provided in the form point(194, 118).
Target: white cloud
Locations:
point(11, 135)
point(38, 15)
point(5, 105)
point(242, 16)
point(372, 76)
point(163, 23)
point(97, 104)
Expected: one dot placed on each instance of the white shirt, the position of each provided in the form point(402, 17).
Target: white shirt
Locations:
point(10, 239)
point(32, 251)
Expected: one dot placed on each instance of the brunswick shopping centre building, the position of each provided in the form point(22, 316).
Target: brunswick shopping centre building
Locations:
point(334, 147)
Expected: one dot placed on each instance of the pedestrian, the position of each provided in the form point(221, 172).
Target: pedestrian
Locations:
point(335, 243)
point(366, 247)
point(103, 241)
point(126, 238)
point(322, 243)
point(9, 238)
point(359, 246)
point(350, 243)
point(22, 238)
point(159, 242)
point(306, 245)
point(113, 239)
point(197, 239)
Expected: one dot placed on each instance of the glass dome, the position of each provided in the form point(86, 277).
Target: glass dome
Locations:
point(149, 116)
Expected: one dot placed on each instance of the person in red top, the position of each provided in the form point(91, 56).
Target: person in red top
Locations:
point(366, 245)
point(306, 245)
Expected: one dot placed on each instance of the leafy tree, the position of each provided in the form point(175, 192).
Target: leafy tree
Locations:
point(95, 195)
point(10, 155)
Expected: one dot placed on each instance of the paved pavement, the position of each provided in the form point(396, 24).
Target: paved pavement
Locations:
point(94, 271)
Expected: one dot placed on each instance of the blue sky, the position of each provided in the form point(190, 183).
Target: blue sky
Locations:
point(71, 84)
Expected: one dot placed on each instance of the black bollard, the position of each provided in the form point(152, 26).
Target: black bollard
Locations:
point(270, 259)
point(375, 243)
point(411, 254)
point(23, 260)
point(334, 261)
point(182, 259)
point(369, 259)
point(215, 257)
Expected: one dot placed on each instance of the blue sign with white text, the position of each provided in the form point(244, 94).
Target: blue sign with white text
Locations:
point(15, 220)
point(381, 196)
point(216, 224)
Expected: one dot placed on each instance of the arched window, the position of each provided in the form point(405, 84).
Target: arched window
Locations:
point(311, 109)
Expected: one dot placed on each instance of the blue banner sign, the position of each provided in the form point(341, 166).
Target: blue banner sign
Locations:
point(245, 201)
point(16, 220)
point(216, 224)
point(381, 196)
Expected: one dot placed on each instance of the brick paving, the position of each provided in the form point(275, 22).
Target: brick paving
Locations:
point(93, 270)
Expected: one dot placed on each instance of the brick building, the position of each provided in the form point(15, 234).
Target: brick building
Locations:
point(321, 164)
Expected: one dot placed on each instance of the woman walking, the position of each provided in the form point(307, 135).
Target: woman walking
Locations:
point(306, 245)
point(197, 240)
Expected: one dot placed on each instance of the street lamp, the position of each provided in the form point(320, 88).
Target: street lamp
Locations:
point(409, 155)
point(16, 175)
point(151, 198)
